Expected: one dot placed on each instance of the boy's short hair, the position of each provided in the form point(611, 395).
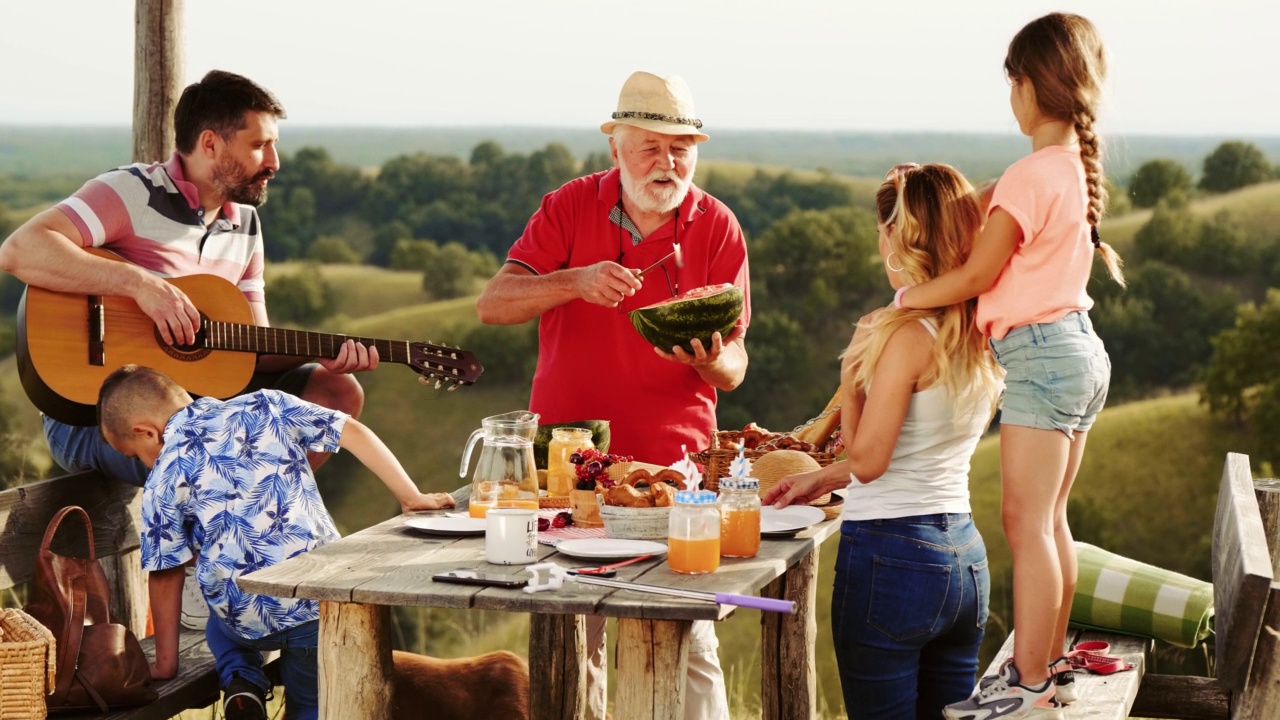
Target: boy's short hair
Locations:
point(218, 103)
point(127, 394)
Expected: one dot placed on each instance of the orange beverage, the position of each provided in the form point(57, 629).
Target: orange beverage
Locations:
point(478, 509)
point(693, 557)
point(739, 532)
point(522, 503)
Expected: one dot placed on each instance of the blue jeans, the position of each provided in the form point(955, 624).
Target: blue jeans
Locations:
point(908, 612)
point(235, 655)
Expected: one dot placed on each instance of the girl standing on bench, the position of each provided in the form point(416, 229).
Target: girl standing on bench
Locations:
point(1029, 269)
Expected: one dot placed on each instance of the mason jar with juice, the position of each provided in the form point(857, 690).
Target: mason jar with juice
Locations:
point(561, 476)
point(693, 533)
point(739, 517)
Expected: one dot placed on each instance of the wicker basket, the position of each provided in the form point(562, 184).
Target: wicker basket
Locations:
point(715, 459)
point(635, 523)
point(28, 658)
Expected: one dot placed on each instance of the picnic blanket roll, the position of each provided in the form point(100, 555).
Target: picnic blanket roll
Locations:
point(1122, 595)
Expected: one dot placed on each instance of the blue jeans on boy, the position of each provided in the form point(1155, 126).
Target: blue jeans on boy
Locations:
point(235, 655)
point(908, 612)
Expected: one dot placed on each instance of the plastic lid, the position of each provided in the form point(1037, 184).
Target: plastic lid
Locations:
point(746, 483)
point(695, 497)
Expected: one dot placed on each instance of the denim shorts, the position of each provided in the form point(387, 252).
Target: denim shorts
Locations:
point(1056, 375)
point(908, 612)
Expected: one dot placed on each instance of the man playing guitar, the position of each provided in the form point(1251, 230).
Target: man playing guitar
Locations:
point(192, 214)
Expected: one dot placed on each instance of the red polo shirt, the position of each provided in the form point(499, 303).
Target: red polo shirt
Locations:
point(592, 364)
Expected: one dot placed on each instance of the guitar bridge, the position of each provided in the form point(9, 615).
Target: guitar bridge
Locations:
point(97, 331)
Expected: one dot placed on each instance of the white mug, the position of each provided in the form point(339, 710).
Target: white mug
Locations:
point(511, 536)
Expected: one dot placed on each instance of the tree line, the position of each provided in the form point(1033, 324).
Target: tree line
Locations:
point(812, 243)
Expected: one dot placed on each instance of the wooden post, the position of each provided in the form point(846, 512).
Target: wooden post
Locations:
point(158, 72)
point(653, 660)
point(355, 662)
point(557, 678)
point(789, 683)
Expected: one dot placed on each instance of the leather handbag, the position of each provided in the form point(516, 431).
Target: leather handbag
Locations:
point(100, 664)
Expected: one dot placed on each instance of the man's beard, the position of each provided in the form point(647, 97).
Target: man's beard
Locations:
point(654, 197)
point(230, 179)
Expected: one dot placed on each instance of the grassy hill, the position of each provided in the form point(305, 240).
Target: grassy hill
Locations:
point(1256, 208)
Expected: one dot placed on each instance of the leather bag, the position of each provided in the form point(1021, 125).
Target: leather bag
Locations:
point(100, 663)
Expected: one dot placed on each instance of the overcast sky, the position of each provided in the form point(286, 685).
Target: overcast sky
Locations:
point(1177, 66)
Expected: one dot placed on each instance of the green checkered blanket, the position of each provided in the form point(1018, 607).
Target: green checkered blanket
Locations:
point(1126, 596)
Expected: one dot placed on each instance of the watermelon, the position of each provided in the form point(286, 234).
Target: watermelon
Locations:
point(695, 314)
point(542, 440)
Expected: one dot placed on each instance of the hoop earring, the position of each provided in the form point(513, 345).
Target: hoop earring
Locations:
point(886, 262)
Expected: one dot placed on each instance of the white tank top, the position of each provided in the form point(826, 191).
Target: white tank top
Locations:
point(929, 471)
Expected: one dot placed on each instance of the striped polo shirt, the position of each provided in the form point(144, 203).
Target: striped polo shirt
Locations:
point(151, 216)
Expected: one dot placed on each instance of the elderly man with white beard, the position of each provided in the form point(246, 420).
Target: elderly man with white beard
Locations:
point(576, 269)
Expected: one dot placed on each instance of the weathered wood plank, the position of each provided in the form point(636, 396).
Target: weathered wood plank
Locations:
point(1241, 573)
point(25, 511)
point(1101, 697)
point(558, 680)
point(1181, 697)
point(653, 657)
point(789, 686)
point(355, 662)
point(1261, 698)
point(196, 684)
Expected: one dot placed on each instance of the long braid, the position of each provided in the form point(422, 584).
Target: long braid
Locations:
point(1095, 181)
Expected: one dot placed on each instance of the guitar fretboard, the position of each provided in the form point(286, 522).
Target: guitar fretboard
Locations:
point(282, 341)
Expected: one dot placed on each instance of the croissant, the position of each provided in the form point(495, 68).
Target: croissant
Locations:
point(663, 494)
point(627, 496)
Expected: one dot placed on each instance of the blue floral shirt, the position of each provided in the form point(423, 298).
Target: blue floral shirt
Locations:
point(232, 485)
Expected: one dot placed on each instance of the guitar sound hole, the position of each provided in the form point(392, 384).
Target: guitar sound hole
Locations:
point(197, 350)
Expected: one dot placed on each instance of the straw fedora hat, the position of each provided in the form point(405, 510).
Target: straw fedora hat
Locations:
point(662, 105)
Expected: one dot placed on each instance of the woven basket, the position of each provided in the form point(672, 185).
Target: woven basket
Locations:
point(715, 459)
point(28, 658)
point(635, 523)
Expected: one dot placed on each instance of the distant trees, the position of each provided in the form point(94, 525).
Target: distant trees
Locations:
point(300, 298)
point(1234, 165)
point(1156, 180)
point(1241, 380)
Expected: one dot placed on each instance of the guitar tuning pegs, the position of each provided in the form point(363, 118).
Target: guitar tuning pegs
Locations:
point(451, 388)
point(439, 383)
point(424, 380)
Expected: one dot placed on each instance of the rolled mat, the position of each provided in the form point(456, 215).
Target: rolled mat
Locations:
point(1122, 595)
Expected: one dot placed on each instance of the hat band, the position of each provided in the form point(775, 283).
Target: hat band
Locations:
point(692, 122)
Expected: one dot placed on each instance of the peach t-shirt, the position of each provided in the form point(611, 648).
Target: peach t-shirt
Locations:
point(1045, 279)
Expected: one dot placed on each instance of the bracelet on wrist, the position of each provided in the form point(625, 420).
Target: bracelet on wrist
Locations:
point(897, 296)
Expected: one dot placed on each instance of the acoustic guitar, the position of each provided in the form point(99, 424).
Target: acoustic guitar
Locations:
point(67, 344)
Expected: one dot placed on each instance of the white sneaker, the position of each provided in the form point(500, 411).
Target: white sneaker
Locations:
point(195, 611)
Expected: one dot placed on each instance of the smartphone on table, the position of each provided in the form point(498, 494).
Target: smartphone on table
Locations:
point(473, 577)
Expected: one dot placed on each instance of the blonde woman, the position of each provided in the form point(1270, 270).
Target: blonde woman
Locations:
point(919, 387)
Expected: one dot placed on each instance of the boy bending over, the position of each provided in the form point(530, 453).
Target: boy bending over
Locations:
point(230, 487)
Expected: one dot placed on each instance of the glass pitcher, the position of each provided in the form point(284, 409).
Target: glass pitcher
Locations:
point(505, 475)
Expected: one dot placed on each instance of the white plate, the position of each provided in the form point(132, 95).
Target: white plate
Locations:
point(448, 525)
point(789, 520)
point(607, 548)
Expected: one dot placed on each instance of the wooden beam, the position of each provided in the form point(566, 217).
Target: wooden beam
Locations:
point(789, 685)
point(158, 73)
point(1181, 697)
point(355, 671)
point(1241, 573)
point(557, 675)
point(654, 657)
point(1261, 699)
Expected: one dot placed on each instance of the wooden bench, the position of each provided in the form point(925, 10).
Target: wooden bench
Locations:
point(1246, 686)
point(114, 508)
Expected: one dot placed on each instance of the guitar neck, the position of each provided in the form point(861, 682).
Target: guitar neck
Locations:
point(281, 341)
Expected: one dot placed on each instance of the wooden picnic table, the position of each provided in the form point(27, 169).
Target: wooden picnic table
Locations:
point(358, 578)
